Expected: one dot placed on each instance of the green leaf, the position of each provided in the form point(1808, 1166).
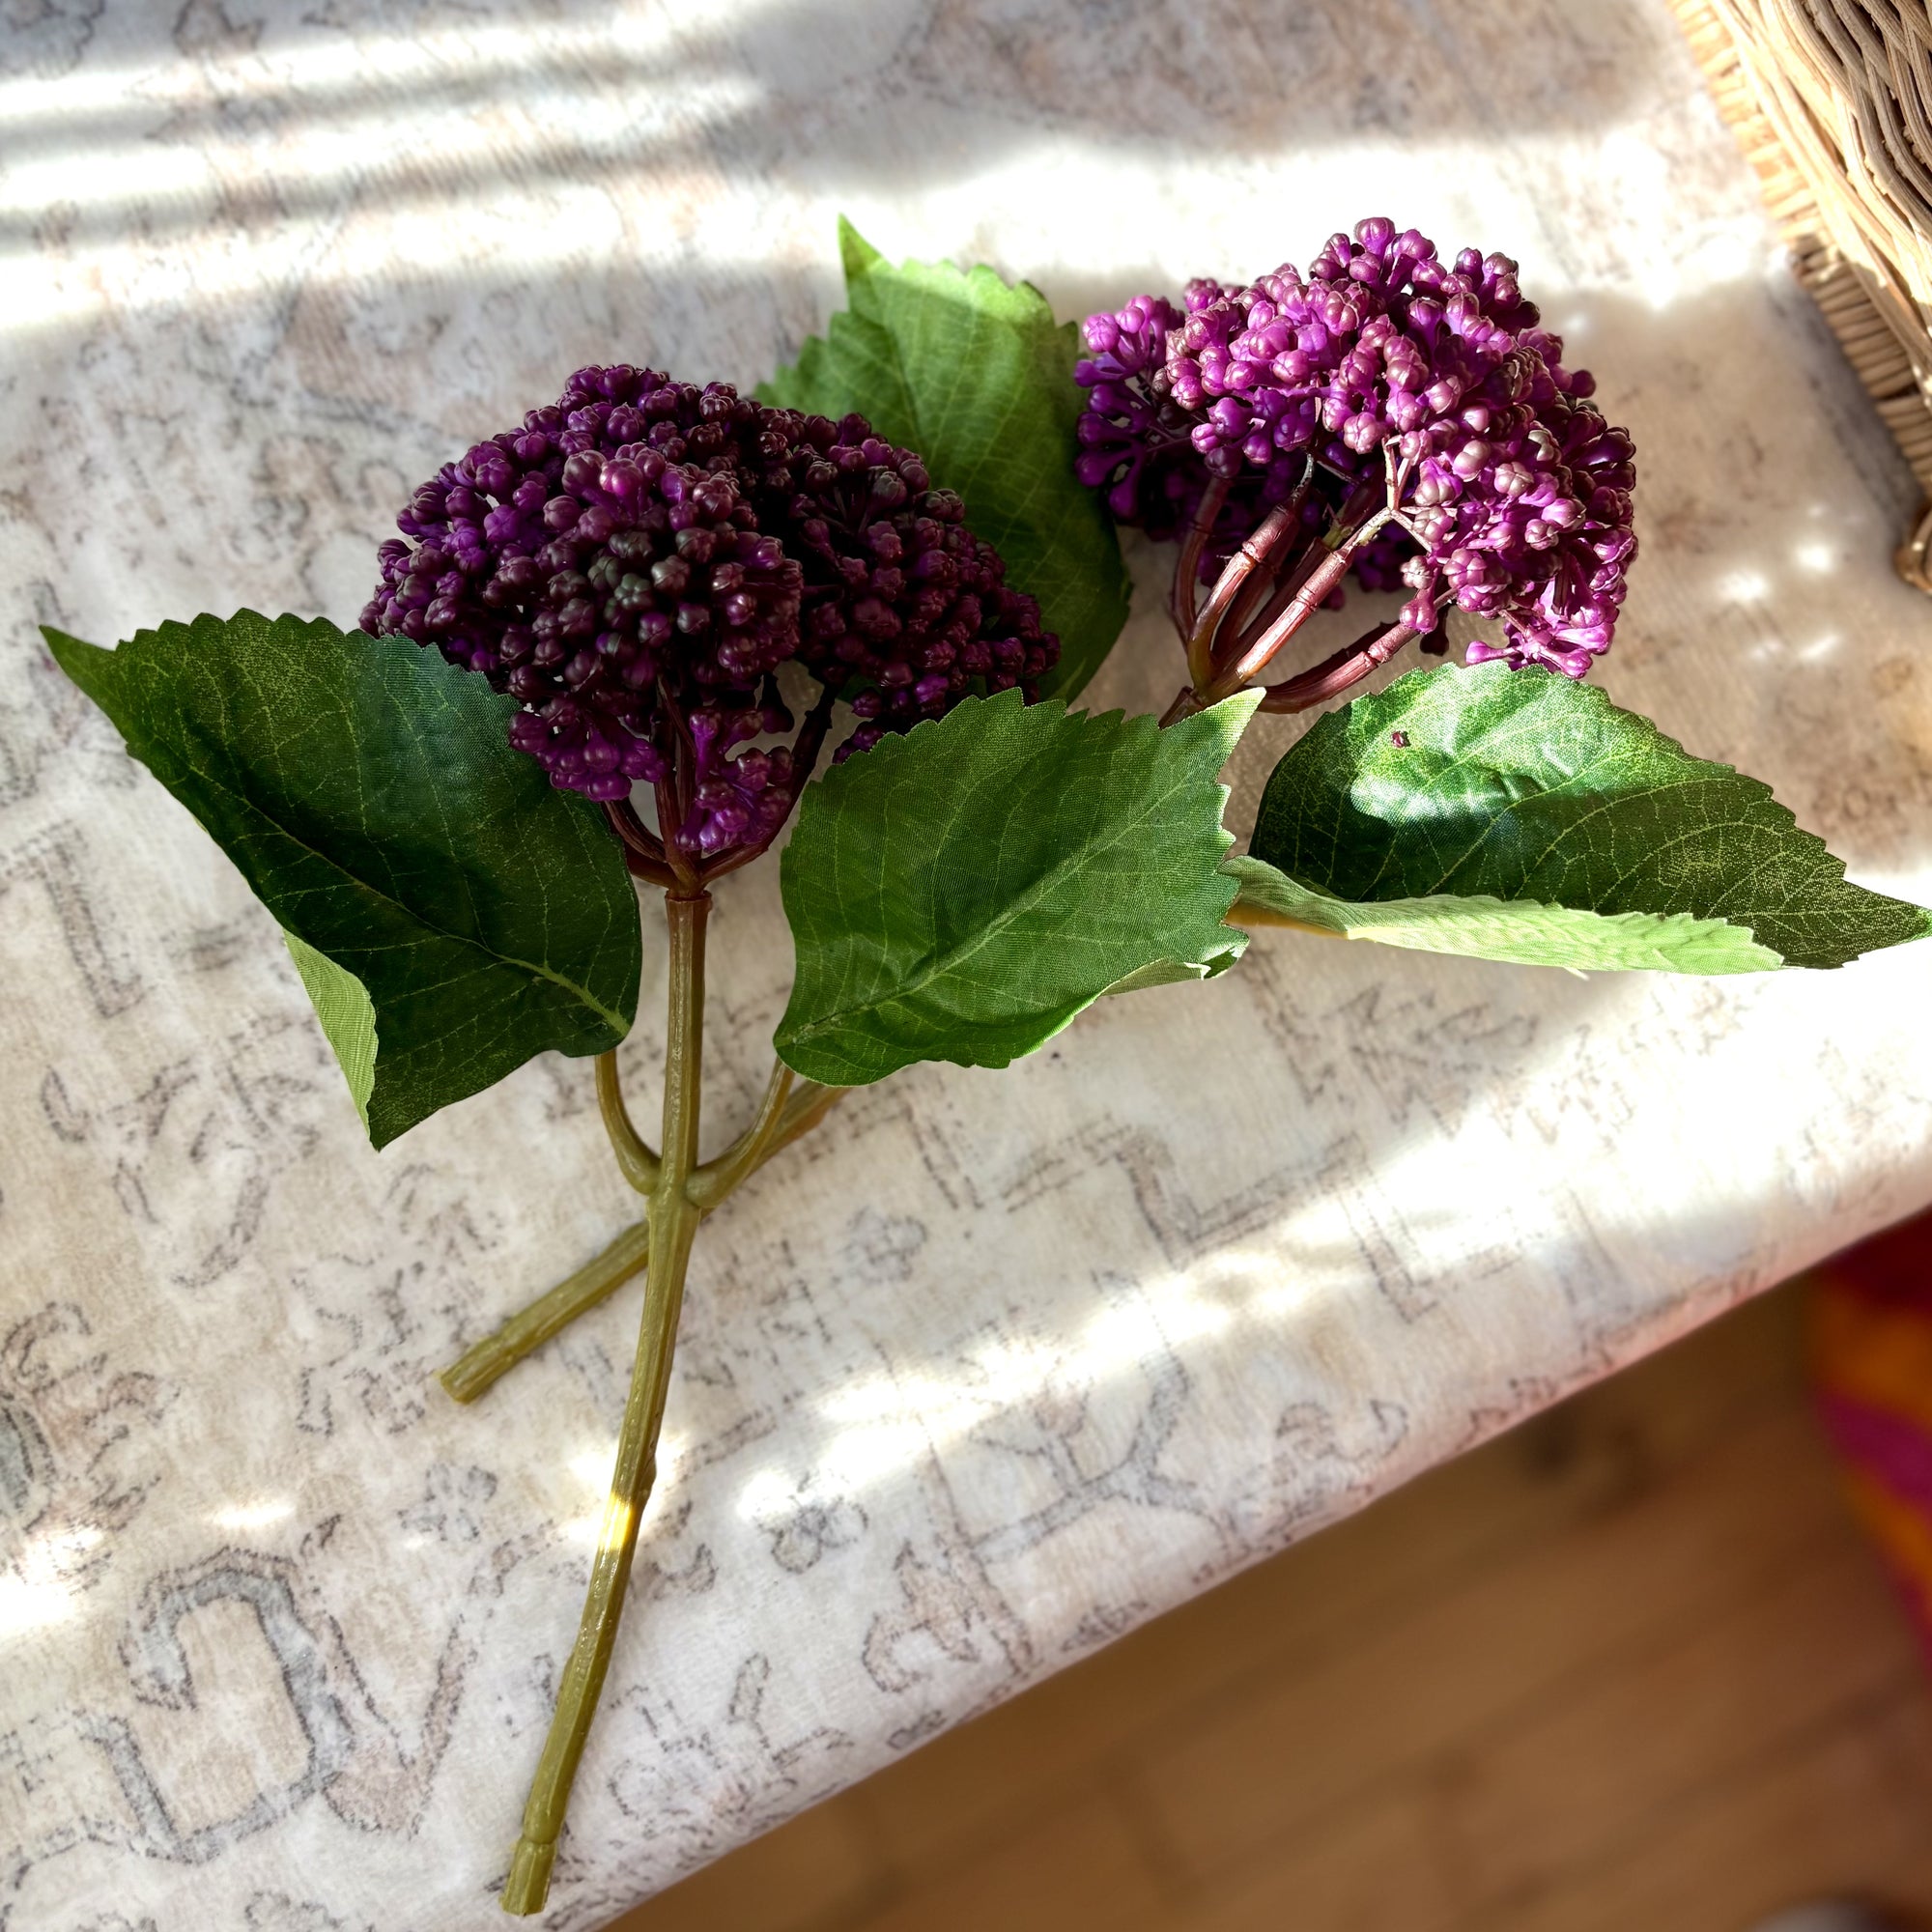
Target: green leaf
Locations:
point(450, 913)
point(1516, 814)
point(961, 891)
point(1224, 953)
point(975, 374)
point(348, 1017)
point(1482, 926)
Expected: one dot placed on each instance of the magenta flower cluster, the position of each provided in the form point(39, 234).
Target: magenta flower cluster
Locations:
point(635, 563)
point(1389, 371)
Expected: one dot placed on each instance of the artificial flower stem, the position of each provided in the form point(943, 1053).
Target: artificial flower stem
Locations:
point(1317, 587)
point(1187, 570)
point(1265, 585)
point(673, 1222)
point(1334, 676)
point(635, 1159)
point(805, 755)
point(1244, 626)
point(1260, 589)
point(717, 1178)
point(1185, 703)
point(1256, 548)
point(673, 794)
point(809, 1105)
point(479, 1368)
point(643, 851)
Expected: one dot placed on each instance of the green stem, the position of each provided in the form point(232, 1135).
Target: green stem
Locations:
point(791, 1109)
point(673, 1221)
point(478, 1368)
point(716, 1178)
point(809, 1105)
point(635, 1158)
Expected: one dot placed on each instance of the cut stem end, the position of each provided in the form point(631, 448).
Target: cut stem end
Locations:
point(528, 1883)
point(481, 1366)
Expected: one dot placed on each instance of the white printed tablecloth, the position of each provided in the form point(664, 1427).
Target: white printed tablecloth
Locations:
point(997, 1365)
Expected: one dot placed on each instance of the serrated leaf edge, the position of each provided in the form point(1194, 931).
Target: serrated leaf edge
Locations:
point(1252, 872)
point(1600, 699)
point(434, 664)
point(1235, 711)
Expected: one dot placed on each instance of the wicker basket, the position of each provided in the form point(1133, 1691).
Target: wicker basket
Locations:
point(1831, 101)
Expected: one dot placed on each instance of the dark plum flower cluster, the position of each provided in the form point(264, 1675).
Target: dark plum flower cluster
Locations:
point(1425, 417)
point(635, 563)
point(899, 593)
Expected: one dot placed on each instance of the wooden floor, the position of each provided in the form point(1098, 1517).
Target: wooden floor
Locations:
point(1630, 1667)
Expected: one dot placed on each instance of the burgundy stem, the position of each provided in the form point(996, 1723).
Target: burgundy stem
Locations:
point(1187, 572)
point(1259, 547)
point(674, 796)
point(731, 860)
point(1252, 623)
point(1184, 704)
point(1334, 676)
point(685, 882)
point(644, 854)
point(1314, 590)
point(633, 830)
point(1358, 502)
point(811, 738)
point(1264, 586)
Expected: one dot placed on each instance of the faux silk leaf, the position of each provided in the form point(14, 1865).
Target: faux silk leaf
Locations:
point(348, 1017)
point(1482, 926)
point(450, 913)
point(1469, 811)
point(1174, 972)
point(962, 892)
point(974, 373)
